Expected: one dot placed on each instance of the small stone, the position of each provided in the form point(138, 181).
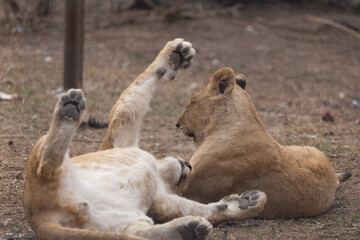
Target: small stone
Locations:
point(19, 176)
point(328, 117)
point(215, 62)
point(48, 59)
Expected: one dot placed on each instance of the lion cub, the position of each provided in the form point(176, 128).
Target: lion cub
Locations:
point(236, 153)
point(119, 191)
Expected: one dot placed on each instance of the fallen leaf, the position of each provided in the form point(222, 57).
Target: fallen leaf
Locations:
point(328, 117)
point(7, 97)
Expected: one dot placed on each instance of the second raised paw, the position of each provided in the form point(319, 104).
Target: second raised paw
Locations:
point(71, 104)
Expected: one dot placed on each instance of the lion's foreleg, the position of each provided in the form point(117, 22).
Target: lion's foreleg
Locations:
point(166, 207)
point(66, 118)
point(127, 113)
point(234, 207)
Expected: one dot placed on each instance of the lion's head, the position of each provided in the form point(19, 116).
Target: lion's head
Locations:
point(221, 102)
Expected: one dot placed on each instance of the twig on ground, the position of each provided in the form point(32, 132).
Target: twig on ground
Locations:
point(27, 139)
point(176, 11)
point(7, 97)
point(11, 136)
point(237, 224)
point(85, 140)
point(236, 21)
point(320, 20)
point(7, 70)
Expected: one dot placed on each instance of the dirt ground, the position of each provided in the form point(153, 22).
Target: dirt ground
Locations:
point(297, 69)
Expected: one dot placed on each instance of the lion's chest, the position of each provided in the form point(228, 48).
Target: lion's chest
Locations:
point(115, 187)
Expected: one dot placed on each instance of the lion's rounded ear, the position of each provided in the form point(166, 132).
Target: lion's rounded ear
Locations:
point(223, 81)
point(240, 80)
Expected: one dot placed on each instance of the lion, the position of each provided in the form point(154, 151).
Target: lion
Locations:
point(120, 191)
point(235, 153)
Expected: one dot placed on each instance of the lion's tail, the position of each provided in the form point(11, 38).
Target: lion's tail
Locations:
point(343, 176)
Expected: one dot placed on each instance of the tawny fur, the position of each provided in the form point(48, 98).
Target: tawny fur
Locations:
point(118, 191)
point(236, 153)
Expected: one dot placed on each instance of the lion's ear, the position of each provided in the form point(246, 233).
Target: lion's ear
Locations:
point(223, 81)
point(240, 80)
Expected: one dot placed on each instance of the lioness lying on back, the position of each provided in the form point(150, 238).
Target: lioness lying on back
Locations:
point(236, 153)
point(110, 194)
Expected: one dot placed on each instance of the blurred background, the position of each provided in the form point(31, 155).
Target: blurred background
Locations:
point(301, 58)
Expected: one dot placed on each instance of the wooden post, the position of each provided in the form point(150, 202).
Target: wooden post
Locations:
point(44, 8)
point(74, 44)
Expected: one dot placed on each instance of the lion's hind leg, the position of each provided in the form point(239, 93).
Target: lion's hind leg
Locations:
point(53, 231)
point(182, 228)
point(66, 118)
point(127, 113)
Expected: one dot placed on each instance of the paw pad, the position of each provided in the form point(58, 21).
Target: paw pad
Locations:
point(194, 230)
point(245, 200)
point(182, 55)
point(161, 71)
point(248, 199)
point(222, 207)
point(72, 104)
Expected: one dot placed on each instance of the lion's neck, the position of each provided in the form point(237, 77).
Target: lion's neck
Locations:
point(242, 132)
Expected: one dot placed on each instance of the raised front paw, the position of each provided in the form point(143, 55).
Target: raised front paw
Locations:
point(72, 104)
point(238, 207)
point(182, 55)
point(176, 54)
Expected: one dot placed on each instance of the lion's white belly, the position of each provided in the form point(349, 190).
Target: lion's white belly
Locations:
point(117, 184)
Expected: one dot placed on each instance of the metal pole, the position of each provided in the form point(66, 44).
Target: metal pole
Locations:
point(74, 44)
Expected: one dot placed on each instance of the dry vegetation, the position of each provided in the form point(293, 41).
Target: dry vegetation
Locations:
point(297, 72)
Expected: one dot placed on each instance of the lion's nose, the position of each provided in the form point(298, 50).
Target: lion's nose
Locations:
point(177, 124)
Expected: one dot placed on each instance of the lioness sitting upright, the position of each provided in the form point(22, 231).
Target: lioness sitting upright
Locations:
point(235, 153)
point(112, 193)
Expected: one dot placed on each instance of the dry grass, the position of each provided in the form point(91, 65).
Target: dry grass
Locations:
point(296, 74)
